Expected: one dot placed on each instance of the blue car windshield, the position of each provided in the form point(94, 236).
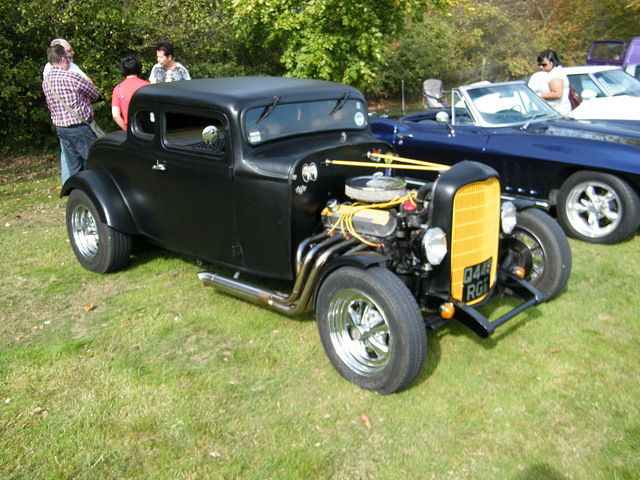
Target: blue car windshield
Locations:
point(279, 120)
point(506, 104)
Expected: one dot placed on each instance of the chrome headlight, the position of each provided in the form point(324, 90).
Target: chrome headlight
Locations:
point(508, 217)
point(434, 245)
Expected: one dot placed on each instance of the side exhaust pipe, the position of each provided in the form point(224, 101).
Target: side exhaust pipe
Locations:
point(298, 300)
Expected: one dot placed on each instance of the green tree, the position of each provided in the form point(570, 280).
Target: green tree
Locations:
point(102, 32)
point(337, 40)
point(475, 40)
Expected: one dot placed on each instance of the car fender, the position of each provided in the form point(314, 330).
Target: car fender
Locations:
point(106, 197)
point(522, 204)
point(361, 260)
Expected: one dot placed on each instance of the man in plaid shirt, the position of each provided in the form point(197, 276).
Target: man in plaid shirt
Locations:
point(65, 90)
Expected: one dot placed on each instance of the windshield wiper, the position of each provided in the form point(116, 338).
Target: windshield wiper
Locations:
point(340, 104)
point(268, 110)
point(540, 115)
point(533, 118)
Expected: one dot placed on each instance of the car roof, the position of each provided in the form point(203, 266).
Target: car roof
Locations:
point(233, 93)
point(581, 70)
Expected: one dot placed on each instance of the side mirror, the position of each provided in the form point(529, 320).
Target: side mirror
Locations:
point(210, 135)
point(442, 118)
point(588, 94)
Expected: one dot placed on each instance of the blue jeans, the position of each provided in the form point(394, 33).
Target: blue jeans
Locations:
point(76, 142)
point(64, 166)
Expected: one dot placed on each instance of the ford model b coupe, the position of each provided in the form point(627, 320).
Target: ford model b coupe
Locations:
point(281, 178)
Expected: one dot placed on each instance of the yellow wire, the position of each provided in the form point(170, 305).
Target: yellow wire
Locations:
point(345, 222)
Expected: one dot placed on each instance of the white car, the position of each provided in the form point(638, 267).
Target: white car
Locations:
point(608, 93)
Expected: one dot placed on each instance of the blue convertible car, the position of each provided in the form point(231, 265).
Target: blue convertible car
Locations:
point(588, 171)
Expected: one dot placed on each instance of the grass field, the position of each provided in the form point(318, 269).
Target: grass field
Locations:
point(147, 374)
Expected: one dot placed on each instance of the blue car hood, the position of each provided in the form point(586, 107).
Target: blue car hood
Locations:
point(626, 134)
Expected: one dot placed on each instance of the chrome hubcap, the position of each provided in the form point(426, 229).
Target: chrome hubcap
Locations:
point(85, 231)
point(359, 333)
point(594, 209)
point(537, 253)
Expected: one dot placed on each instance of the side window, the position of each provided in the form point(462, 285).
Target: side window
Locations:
point(461, 115)
point(143, 124)
point(584, 82)
point(185, 131)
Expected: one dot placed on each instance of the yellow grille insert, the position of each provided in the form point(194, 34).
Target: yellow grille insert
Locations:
point(475, 236)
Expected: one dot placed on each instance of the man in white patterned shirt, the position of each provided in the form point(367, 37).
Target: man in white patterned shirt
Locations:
point(167, 69)
point(68, 92)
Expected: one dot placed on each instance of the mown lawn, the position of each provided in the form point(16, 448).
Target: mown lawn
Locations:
point(147, 374)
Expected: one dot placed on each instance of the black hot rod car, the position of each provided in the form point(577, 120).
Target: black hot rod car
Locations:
point(281, 178)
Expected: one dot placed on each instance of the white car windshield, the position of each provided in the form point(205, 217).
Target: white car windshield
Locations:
point(617, 82)
point(505, 104)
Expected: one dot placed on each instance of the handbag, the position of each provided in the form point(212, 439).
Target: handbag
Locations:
point(93, 125)
point(574, 98)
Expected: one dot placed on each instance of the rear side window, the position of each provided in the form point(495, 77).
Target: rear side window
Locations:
point(143, 124)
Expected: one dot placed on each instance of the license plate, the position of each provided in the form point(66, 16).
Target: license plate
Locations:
point(476, 281)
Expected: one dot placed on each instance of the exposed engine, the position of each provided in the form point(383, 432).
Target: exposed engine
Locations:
point(387, 215)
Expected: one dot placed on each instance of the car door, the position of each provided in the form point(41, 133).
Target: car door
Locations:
point(193, 185)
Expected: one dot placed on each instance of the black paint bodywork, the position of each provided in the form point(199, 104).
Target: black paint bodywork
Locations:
point(247, 206)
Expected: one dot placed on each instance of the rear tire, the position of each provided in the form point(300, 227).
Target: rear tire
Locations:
point(371, 328)
point(98, 247)
point(598, 207)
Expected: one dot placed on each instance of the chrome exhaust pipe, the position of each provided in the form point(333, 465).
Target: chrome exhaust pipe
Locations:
point(238, 288)
point(302, 288)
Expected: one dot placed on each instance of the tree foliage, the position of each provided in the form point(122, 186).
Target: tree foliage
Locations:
point(374, 45)
point(338, 40)
point(499, 40)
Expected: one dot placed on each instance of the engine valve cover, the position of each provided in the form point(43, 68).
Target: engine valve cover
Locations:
point(378, 223)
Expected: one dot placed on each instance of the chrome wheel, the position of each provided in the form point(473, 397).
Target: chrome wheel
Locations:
point(359, 333)
point(594, 209)
point(536, 250)
point(371, 328)
point(97, 246)
point(542, 249)
point(85, 231)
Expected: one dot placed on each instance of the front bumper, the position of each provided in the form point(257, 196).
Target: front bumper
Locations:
point(477, 322)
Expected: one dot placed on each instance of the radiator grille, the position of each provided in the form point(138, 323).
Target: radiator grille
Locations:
point(475, 233)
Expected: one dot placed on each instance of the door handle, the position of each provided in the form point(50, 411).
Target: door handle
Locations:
point(159, 166)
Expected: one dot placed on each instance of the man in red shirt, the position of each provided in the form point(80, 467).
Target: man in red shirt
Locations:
point(131, 69)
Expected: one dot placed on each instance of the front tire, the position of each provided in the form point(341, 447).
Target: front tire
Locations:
point(548, 259)
point(598, 207)
point(98, 247)
point(371, 328)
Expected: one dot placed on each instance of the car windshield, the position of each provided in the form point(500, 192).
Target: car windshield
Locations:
point(277, 120)
point(618, 82)
point(508, 104)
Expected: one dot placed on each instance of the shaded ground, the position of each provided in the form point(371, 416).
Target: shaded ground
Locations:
point(28, 167)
